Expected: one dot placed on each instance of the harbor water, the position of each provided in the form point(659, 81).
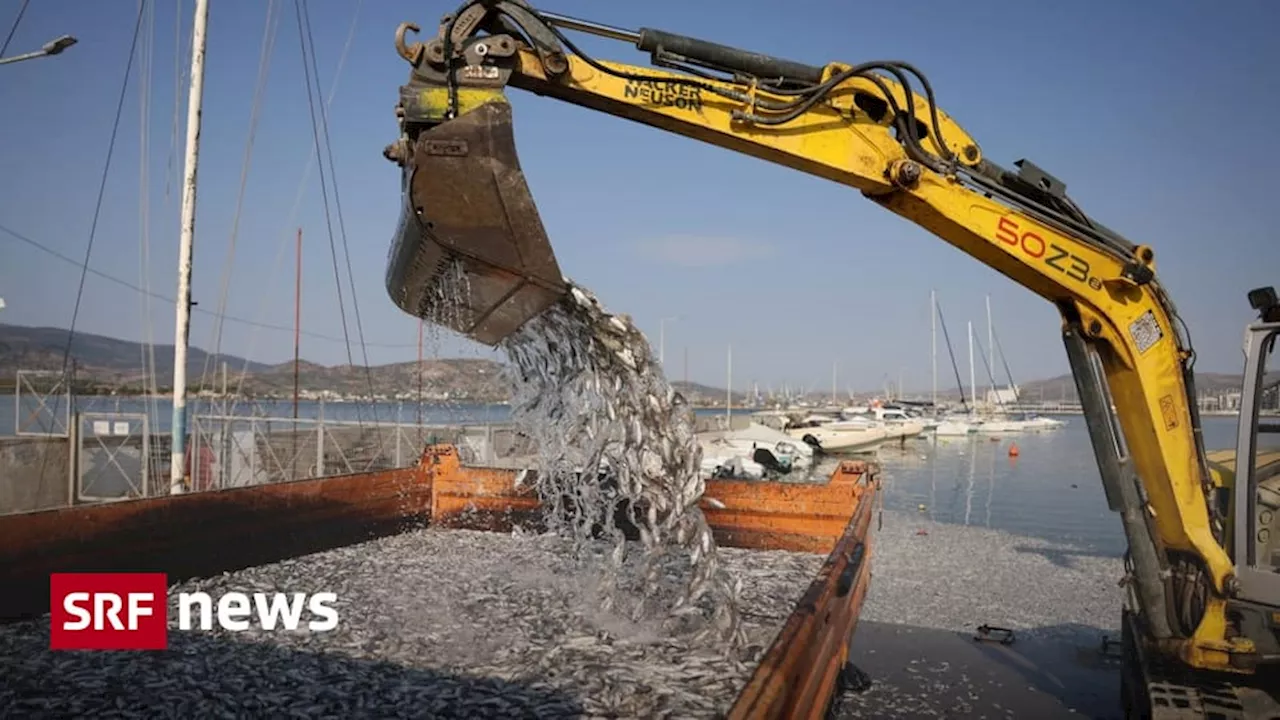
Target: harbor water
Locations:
point(1050, 490)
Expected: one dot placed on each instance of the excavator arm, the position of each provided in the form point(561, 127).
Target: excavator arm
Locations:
point(468, 213)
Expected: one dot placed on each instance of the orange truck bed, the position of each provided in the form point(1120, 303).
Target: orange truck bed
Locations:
point(201, 534)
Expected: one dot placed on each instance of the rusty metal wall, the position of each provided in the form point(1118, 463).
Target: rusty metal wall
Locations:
point(202, 534)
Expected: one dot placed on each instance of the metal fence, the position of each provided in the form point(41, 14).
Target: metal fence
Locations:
point(41, 404)
point(115, 457)
point(235, 451)
point(111, 455)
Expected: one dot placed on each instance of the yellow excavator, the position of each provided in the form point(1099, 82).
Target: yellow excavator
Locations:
point(1201, 618)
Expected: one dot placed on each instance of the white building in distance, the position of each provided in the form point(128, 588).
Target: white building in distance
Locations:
point(1002, 396)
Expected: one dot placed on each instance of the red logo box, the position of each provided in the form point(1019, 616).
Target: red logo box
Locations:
point(108, 611)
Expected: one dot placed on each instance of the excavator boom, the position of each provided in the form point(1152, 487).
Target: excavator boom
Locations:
point(469, 214)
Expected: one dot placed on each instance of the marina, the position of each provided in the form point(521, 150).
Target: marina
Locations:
point(964, 526)
point(941, 573)
point(556, 527)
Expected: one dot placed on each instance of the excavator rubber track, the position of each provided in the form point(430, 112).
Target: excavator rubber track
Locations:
point(1151, 688)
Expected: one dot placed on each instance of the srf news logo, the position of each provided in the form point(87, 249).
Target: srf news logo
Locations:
point(130, 611)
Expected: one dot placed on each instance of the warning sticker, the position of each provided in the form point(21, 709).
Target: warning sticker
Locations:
point(1169, 412)
point(1145, 331)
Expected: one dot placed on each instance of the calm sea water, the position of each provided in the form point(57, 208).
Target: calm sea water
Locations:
point(1050, 490)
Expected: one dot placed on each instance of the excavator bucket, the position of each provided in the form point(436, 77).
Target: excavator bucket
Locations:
point(470, 252)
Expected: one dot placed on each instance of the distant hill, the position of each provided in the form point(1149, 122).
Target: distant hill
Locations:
point(705, 394)
point(1062, 388)
point(97, 356)
point(473, 379)
point(110, 364)
point(105, 364)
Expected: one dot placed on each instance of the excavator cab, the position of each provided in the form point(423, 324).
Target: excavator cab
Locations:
point(1256, 532)
point(1249, 476)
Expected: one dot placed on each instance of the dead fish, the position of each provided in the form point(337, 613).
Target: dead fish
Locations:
point(626, 357)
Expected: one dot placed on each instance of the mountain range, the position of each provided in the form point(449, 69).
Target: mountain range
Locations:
point(105, 364)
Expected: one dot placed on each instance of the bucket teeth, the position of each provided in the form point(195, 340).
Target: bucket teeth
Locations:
point(470, 252)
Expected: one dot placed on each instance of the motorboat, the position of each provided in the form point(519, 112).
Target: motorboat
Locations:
point(1040, 422)
point(956, 426)
point(1018, 422)
point(773, 450)
point(838, 437)
point(898, 423)
point(732, 467)
point(1000, 426)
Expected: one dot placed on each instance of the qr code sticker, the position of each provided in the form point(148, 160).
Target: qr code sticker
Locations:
point(1145, 331)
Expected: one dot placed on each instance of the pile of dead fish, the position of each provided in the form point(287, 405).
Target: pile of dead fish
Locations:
point(433, 623)
point(612, 432)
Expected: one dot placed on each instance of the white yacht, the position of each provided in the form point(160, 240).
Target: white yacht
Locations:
point(754, 445)
point(954, 427)
point(838, 437)
point(898, 423)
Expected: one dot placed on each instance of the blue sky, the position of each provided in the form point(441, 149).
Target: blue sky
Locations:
point(1160, 122)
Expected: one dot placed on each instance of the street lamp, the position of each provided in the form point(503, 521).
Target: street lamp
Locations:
point(53, 47)
point(662, 337)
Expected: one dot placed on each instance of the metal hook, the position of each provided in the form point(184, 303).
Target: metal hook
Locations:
point(413, 53)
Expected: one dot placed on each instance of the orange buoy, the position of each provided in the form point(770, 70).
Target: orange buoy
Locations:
point(1013, 450)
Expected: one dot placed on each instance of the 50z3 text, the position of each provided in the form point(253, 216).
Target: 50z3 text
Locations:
point(1009, 232)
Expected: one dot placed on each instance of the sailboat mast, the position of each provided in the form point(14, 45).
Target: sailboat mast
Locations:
point(991, 353)
point(182, 329)
point(973, 385)
point(933, 342)
point(834, 365)
point(728, 392)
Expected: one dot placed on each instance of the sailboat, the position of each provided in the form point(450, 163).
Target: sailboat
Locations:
point(992, 423)
point(1030, 420)
point(999, 421)
point(948, 426)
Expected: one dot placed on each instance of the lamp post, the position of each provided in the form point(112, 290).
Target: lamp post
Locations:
point(53, 47)
point(662, 337)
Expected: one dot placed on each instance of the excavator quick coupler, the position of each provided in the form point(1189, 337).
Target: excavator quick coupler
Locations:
point(470, 252)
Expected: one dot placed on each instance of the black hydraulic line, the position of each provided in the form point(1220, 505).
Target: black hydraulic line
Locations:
point(725, 56)
point(908, 134)
point(1122, 489)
